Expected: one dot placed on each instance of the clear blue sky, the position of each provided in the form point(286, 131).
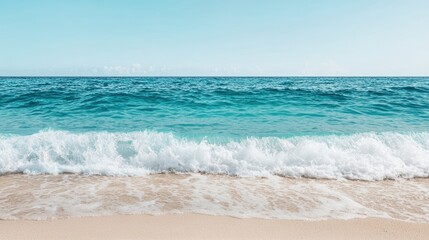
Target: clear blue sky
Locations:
point(216, 37)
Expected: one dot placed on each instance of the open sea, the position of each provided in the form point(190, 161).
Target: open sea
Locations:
point(268, 147)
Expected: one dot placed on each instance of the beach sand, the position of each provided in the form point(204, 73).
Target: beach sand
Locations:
point(194, 226)
point(42, 197)
point(101, 207)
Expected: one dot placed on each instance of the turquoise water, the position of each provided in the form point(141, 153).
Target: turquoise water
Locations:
point(215, 107)
point(359, 128)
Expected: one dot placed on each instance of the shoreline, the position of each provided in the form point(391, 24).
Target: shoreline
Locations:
point(38, 197)
point(197, 226)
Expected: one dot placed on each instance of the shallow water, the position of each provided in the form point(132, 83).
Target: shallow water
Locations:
point(355, 128)
point(216, 108)
point(51, 197)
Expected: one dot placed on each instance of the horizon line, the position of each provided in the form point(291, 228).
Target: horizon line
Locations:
point(207, 76)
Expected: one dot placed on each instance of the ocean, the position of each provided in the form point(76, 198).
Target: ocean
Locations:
point(267, 147)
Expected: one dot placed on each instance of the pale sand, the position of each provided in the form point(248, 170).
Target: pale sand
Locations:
point(39, 197)
point(192, 226)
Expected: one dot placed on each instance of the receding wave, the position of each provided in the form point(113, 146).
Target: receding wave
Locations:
point(365, 156)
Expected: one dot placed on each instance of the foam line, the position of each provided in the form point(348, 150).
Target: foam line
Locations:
point(365, 156)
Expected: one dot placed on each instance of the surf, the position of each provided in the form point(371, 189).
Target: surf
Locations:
point(363, 156)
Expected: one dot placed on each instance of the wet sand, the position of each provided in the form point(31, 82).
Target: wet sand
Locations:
point(194, 226)
point(99, 207)
point(43, 197)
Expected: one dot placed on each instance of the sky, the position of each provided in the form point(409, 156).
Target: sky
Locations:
point(214, 38)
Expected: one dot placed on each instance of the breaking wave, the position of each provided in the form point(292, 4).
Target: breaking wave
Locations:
point(365, 156)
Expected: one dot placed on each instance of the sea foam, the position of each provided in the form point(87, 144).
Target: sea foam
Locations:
point(365, 156)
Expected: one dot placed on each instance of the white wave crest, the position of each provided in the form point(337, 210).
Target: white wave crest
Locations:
point(366, 156)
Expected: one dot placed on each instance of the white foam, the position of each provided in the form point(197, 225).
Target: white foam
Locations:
point(60, 196)
point(367, 156)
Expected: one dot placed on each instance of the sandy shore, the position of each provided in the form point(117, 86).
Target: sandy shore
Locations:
point(27, 197)
point(38, 197)
point(193, 226)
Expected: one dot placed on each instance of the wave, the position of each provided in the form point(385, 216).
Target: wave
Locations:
point(365, 156)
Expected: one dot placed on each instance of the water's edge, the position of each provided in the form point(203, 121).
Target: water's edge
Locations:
point(40, 197)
